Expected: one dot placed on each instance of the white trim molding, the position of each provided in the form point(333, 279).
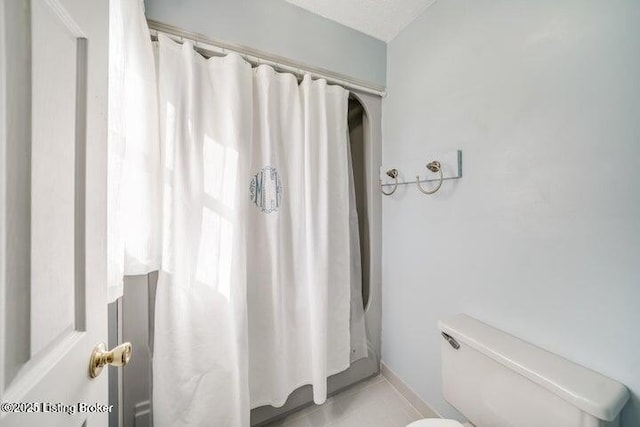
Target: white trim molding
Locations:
point(210, 47)
point(407, 392)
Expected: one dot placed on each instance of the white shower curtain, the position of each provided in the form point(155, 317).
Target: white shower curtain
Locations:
point(133, 243)
point(200, 342)
point(259, 285)
point(299, 242)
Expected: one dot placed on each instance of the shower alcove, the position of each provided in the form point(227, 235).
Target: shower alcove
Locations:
point(131, 318)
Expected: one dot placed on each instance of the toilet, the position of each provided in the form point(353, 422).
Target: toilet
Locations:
point(497, 380)
point(437, 422)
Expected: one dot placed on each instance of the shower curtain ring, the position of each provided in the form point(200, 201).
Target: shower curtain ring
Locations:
point(433, 167)
point(392, 173)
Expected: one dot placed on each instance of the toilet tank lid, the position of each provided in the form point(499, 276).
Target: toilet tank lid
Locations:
point(584, 388)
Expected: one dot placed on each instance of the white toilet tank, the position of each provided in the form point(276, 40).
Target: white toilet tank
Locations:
point(498, 380)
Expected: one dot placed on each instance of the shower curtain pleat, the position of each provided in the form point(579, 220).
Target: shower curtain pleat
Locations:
point(200, 343)
point(133, 194)
point(275, 238)
point(259, 257)
point(299, 248)
point(327, 218)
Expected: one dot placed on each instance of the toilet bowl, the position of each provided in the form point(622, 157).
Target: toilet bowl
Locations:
point(436, 422)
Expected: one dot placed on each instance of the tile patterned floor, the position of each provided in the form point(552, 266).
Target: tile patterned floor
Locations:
point(372, 403)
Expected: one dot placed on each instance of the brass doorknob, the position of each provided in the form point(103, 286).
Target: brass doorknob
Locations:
point(100, 357)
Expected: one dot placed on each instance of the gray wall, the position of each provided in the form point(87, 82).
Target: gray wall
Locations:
point(138, 304)
point(131, 319)
point(115, 373)
point(541, 237)
point(279, 28)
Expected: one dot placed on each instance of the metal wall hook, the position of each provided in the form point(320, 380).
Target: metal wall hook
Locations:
point(392, 173)
point(433, 167)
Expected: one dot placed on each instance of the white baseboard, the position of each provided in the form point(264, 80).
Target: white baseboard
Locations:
point(406, 391)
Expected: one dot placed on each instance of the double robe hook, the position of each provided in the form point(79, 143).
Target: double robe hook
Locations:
point(434, 167)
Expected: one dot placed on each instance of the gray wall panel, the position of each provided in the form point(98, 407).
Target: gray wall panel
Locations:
point(279, 28)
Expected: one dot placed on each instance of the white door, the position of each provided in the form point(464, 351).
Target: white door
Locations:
point(53, 123)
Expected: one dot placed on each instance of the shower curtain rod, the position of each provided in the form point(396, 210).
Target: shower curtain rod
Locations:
point(212, 47)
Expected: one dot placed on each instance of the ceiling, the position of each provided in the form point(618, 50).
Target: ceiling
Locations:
point(382, 19)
